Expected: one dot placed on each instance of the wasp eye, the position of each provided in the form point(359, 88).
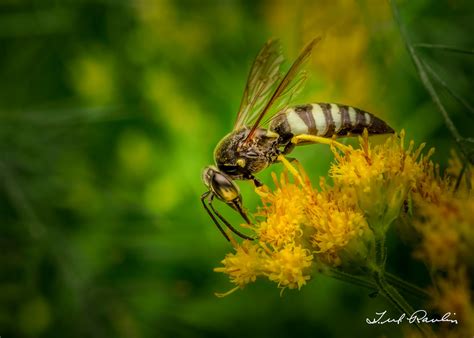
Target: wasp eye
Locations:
point(230, 169)
point(224, 187)
point(241, 162)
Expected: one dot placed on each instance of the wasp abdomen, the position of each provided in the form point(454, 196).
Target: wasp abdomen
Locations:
point(326, 120)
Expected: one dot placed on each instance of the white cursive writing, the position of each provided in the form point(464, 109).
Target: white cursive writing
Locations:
point(419, 316)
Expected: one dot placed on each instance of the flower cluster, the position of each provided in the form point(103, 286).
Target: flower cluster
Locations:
point(280, 253)
point(337, 227)
point(382, 177)
point(342, 226)
point(301, 226)
point(444, 219)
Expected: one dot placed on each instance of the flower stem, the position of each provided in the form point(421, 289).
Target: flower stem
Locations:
point(391, 279)
point(349, 278)
point(384, 288)
point(407, 287)
point(380, 251)
point(381, 284)
point(397, 300)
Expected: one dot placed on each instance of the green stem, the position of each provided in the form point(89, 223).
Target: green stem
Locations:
point(352, 279)
point(384, 288)
point(380, 284)
point(443, 84)
point(397, 300)
point(424, 77)
point(407, 287)
point(380, 251)
point(444, 47)
point(402, 285)
point(461, 174)
point(391, 294)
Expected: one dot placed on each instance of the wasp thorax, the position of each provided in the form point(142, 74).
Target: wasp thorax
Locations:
point(240, 158)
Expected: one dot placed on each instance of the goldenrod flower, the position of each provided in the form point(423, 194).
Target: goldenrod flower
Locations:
point(244, 265)
point(336, 221)
point(289, 267)
point(455, 170)
point(446, 229)
point(301, 229)
point(444, 217)
point(454, 295)
point(381, 177)
point(284, 212)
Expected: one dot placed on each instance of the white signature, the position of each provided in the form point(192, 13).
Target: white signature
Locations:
point(419, 316)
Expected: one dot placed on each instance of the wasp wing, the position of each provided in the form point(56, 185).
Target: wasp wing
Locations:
point(284, 100)
point(262, 78)
point(291, 83)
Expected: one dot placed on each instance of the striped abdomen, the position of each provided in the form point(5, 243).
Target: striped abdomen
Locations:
point(327, 120)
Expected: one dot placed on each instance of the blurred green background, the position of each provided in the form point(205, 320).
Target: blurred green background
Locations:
point(109, 110)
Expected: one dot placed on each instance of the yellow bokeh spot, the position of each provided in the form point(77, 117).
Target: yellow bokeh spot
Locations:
point(341, 62)
point(135, 152)
point(162, 194)
point(179, 113)
point(92, 77)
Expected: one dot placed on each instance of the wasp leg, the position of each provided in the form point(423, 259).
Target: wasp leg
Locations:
point(256, 181)
point(290, 168)
point(238, 207)
point(318, 139)
point(289, 148)
point(234, 230)
point(203, 197)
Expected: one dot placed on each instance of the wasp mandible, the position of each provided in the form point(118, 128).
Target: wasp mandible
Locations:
point(251, 147)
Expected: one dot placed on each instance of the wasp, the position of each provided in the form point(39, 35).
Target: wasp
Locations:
point(254, 144)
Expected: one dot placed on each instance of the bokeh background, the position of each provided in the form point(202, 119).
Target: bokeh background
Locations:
point(109, 110)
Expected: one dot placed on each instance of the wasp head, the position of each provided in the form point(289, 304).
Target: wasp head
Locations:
point(221, 185)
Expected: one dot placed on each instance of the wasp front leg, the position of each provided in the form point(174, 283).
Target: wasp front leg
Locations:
point(290, 168)
point(208, 195)
point(207, 199)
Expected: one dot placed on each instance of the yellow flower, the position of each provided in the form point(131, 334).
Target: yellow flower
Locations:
point(337, 226)
point(381, 176)
point(244, 265)
point(444, 217)
point(288, 267)
point(453, 294)
point(284, 212)
point(336, 220)
point(446, 229)
point(455, 169)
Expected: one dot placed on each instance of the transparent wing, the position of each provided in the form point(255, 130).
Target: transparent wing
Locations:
point(292, 91)
point(291, 84)
point(263, 76)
